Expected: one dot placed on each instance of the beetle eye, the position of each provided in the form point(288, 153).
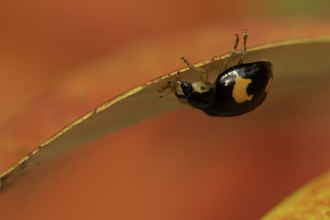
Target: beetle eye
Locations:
point(186, 87)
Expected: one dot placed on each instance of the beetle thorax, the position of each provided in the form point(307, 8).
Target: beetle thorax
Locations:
point(202, 86)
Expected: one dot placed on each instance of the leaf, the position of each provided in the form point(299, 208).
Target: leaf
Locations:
point(309, 202)
point(289, 59)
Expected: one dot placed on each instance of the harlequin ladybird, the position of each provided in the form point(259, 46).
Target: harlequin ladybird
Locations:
point(236, 91)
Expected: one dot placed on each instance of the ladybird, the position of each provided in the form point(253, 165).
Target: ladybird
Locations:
point(236, 91)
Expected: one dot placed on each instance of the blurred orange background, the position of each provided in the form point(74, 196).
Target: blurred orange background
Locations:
point(60, 59)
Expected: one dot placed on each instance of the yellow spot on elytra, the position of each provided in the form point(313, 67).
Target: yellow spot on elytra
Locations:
point(270, 81)
point(239, 91)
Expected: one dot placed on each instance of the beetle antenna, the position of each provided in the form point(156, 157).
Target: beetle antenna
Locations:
point(162, 96)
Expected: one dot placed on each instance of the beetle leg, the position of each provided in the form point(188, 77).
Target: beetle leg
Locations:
point(225, 64)
point(179, 76)
point(204, 76)
point(245, 36)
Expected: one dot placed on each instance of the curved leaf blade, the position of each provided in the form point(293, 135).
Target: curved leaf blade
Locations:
point(289, 58)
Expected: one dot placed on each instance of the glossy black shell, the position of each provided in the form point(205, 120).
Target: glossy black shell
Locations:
point(224, 104)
